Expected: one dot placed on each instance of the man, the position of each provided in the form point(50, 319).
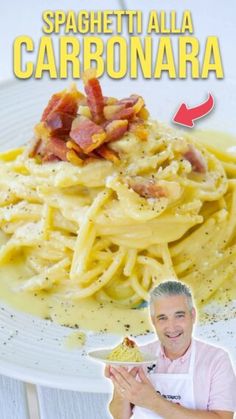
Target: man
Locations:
point(191, 379)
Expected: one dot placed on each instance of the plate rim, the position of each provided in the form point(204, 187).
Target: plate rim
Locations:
point(52, 380)
point(122, 363)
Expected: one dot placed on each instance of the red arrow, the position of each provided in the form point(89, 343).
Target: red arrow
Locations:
point(185, 116)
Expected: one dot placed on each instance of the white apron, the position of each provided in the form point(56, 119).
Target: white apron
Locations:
point(177, 388)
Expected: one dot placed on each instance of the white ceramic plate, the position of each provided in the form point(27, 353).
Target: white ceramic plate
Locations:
point(102, 354)
point(32, 349)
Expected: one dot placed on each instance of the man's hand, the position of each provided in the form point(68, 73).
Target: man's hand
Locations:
point(107, 371)
point(119, 406)
point(110, 373)
point(140, 393)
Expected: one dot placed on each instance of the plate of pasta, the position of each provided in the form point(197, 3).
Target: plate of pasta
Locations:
point(102, 354)
point(100, 206)
point(127, 353)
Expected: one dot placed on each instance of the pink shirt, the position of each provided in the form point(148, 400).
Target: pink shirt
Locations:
point(215, 380)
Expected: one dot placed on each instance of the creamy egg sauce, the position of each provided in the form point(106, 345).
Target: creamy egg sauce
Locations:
point(88, 313)
point(75, 340)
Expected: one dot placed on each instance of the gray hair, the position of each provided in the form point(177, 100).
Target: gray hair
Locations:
point(169, 288)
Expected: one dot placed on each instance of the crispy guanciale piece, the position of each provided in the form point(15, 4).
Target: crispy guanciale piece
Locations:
point(118, 111)
point(127, 113)
point(111, 110)
point(87, 134)
point(196, 159)
point(126, 108)
point(108, 154)
point(75, 127)
point(116, 129)
point(128, 342)
point(95, 98)
point(50, 158)
point(66, 102)
point(59, 123)
point(147, 188)
point(57, 147)
point(60, 112)
point(129, 101)
point(52, 105)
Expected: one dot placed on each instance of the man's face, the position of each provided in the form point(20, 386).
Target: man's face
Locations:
point(173, 322)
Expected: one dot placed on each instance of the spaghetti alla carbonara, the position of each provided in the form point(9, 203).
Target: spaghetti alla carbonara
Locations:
point(126, 351)
point(106, 203)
